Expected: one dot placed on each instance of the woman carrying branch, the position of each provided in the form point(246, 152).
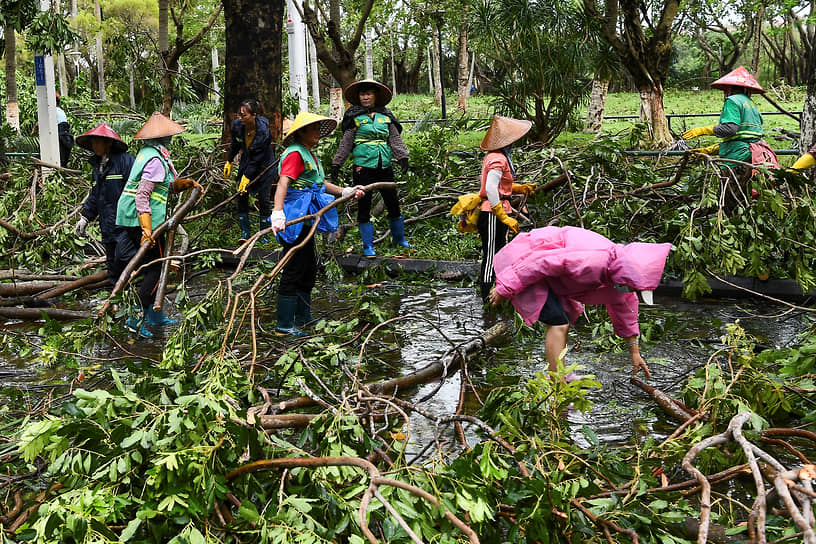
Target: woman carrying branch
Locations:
point(143, 206)
point(371, 135)
point(249, 135)
point(740, 126)
point(550, 273)
point(302, 190)
point(110, 168)
point(498, 174)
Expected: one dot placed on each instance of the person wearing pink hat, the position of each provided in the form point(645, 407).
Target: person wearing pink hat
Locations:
point(740, 126)
point(110, 168)
point(549, 273)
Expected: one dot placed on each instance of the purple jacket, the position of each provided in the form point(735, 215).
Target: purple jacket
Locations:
point(581, 267)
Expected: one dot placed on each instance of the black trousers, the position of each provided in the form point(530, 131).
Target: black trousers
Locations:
point(494, 237)
point(366, 176)
point(128, 242)
point(300, 273)
point(263, 191)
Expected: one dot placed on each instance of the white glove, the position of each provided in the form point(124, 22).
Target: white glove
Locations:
point(81, 225)
point(352, 190)
point(278, 221)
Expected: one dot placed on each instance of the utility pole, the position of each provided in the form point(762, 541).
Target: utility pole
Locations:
point(46, 103)
point(297, 55)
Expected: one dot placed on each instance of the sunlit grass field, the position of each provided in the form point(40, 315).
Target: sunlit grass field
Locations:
point(412, 107)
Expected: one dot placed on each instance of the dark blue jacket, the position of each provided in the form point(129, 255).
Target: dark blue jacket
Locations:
point(260, 153)
point(107, 187)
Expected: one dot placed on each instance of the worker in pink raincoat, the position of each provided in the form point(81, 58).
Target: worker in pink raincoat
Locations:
point(550, 273)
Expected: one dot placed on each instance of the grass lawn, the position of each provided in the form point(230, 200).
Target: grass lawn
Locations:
point(677, 102)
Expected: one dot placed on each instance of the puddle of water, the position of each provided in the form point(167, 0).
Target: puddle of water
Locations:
point(620, 409)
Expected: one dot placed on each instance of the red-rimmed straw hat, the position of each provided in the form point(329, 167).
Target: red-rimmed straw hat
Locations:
point(101, 131)
point(382, 93)
point(158, 126)
point(503, 131)
point(740, 77)
point(305, 118)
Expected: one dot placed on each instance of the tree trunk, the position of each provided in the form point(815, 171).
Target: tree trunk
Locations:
point(164, 25)
point(430, 69)
point(216, 88)
point(757, 39)
point(256, 71)
point(131, 86)
point(462, 72)
point(435, 54)
point(369, 53)
point(653, 112)
point(100, 60)
point(597, 105)
point(12, 107)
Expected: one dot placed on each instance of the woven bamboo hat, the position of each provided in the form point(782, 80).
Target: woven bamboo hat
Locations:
point(101, 131)
point(503, 131)
point(382, 93)
point(158, 126)
point(304, 119)
point(740, 77)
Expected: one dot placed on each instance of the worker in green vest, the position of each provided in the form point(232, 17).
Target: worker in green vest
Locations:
point(371, 135)
point(740, 126)
point(142, 207)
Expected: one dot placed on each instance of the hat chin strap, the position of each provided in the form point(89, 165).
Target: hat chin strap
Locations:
point(647, 297)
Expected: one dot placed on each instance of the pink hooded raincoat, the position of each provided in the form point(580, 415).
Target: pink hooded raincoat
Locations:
point(581, 267)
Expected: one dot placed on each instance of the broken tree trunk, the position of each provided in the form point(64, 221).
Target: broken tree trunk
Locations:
point(431, 372)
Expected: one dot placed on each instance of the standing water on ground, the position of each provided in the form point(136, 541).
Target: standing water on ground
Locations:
point(436, 318)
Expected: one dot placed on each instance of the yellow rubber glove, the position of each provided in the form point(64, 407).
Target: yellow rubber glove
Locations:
point(523, 188)
point(499, 212)
point(803, 163)
point(227, 169)
point(698, 131)
point(242, 187)
point(145, 221)
point(710, 150)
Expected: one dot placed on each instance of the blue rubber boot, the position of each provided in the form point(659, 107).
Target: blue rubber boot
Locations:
point(264, 223)
point(303, 309)
point(243, 222)
point(136, 325)
point(154, 318)
point(398, 232)
point(367, 234)
point(287, 304)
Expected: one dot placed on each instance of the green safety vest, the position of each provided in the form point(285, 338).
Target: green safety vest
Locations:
point(371, 147)
point(313, 170)
point(740, 109)
point(126, 214)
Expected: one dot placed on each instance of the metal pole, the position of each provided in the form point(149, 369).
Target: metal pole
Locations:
point(441, 64)
point(46, 104)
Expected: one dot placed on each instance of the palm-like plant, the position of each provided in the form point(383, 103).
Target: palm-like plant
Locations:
point(542, 55)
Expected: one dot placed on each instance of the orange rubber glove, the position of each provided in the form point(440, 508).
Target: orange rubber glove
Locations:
point(145, 221)
point(182, 184)
point(523, 188)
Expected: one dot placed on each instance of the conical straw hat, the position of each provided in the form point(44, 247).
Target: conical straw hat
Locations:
point(740, 77)
point(101, 131)
point(305, 118)
point(158, 126)
point(503, 131)
point(381, 92)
